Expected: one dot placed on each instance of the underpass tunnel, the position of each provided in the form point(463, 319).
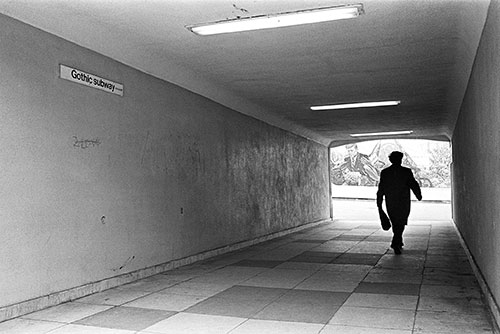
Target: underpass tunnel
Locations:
point(101, 190)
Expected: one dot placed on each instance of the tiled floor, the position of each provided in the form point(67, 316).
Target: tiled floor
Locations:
point(337, 278)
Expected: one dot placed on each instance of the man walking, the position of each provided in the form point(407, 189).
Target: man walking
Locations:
point(395, 184)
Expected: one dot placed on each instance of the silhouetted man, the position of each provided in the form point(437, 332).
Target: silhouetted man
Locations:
point(395, 184)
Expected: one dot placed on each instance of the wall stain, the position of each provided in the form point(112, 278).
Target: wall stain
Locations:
point(85, 143)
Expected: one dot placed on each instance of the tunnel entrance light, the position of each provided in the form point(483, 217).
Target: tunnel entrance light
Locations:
point(279, 20)
point(390, 133)
point(356, 105)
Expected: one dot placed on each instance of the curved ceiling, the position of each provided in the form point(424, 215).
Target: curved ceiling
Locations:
point(417, 51)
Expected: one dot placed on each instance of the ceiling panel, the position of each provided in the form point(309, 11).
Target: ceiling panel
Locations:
point(419, 51)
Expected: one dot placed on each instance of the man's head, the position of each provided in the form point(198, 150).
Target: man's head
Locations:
point(396, 157)
point(352, 149)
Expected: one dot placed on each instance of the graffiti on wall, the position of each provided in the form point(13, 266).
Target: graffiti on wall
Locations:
point(361, 164)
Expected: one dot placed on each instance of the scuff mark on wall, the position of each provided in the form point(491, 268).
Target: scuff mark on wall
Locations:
point(240, 9)
point(125, 263)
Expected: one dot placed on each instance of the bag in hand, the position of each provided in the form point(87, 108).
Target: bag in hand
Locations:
point(386, 223)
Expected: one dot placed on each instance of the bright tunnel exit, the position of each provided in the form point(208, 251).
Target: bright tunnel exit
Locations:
point(355, 171)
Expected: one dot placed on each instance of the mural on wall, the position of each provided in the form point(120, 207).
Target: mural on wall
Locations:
point(360, 164)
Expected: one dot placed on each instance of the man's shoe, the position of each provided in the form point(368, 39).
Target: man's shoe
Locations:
point(397, 250)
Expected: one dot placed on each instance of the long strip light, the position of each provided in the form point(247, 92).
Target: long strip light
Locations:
point(390, 133)
point(356, 105)
point(279, 20)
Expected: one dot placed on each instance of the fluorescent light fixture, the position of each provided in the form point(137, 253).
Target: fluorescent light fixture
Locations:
point(279, 20)
point(390, 133)
point(357, 105)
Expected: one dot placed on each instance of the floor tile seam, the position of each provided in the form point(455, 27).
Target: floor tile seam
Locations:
point(384, 308)
point(151, 308)
point(397, 283)
point(246, 299)
point(85, 325)
point(254, 317)
point(414, 329)
point(237, 281)
point(264, 268)
point(320, 266)
point(301, 303)
point(239, 325)
point(299, 283)
point(26, 316)
point(145, 308)
point(392, 282)
point(114, 305)
point(148, 293)
point(170, 293)
point(38, 320)
point(314, 255)
point(362, 327)
point(390, 328)
point(390, 270)
point(456, 313)
point(56, 329)
point(451, 270)
point(115, 328)
point(292, 269)
point(249, 319)
point(450, 284)
point(364, 277)
point(334, 277)
point(261, 309)
point(469, 312)
point(384, 294)
point(70, 322)
point(378, 292)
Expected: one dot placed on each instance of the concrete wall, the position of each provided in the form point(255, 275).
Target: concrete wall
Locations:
point(476, 157)
point(94, 185)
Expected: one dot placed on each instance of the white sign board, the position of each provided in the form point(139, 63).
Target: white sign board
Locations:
point(91, 80)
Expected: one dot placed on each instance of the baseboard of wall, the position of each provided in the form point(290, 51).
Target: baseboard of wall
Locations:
point(488, 296)
point(36, 304)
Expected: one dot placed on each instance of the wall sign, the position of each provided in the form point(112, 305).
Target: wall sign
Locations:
point(91, 80)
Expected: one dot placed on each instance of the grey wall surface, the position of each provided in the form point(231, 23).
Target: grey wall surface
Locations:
point(476, 157)
point(94, 185)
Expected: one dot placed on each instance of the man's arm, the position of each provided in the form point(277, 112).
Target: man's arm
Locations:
point(380, 191)
point(414, 186)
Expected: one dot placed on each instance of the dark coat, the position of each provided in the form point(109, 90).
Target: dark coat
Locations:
point(395, 184)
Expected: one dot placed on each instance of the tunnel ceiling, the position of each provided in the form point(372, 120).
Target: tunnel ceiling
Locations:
point(417, 51)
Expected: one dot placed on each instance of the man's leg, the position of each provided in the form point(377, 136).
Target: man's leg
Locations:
point(397, 238)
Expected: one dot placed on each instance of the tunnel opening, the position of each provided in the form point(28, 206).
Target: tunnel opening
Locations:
point(355, 171)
